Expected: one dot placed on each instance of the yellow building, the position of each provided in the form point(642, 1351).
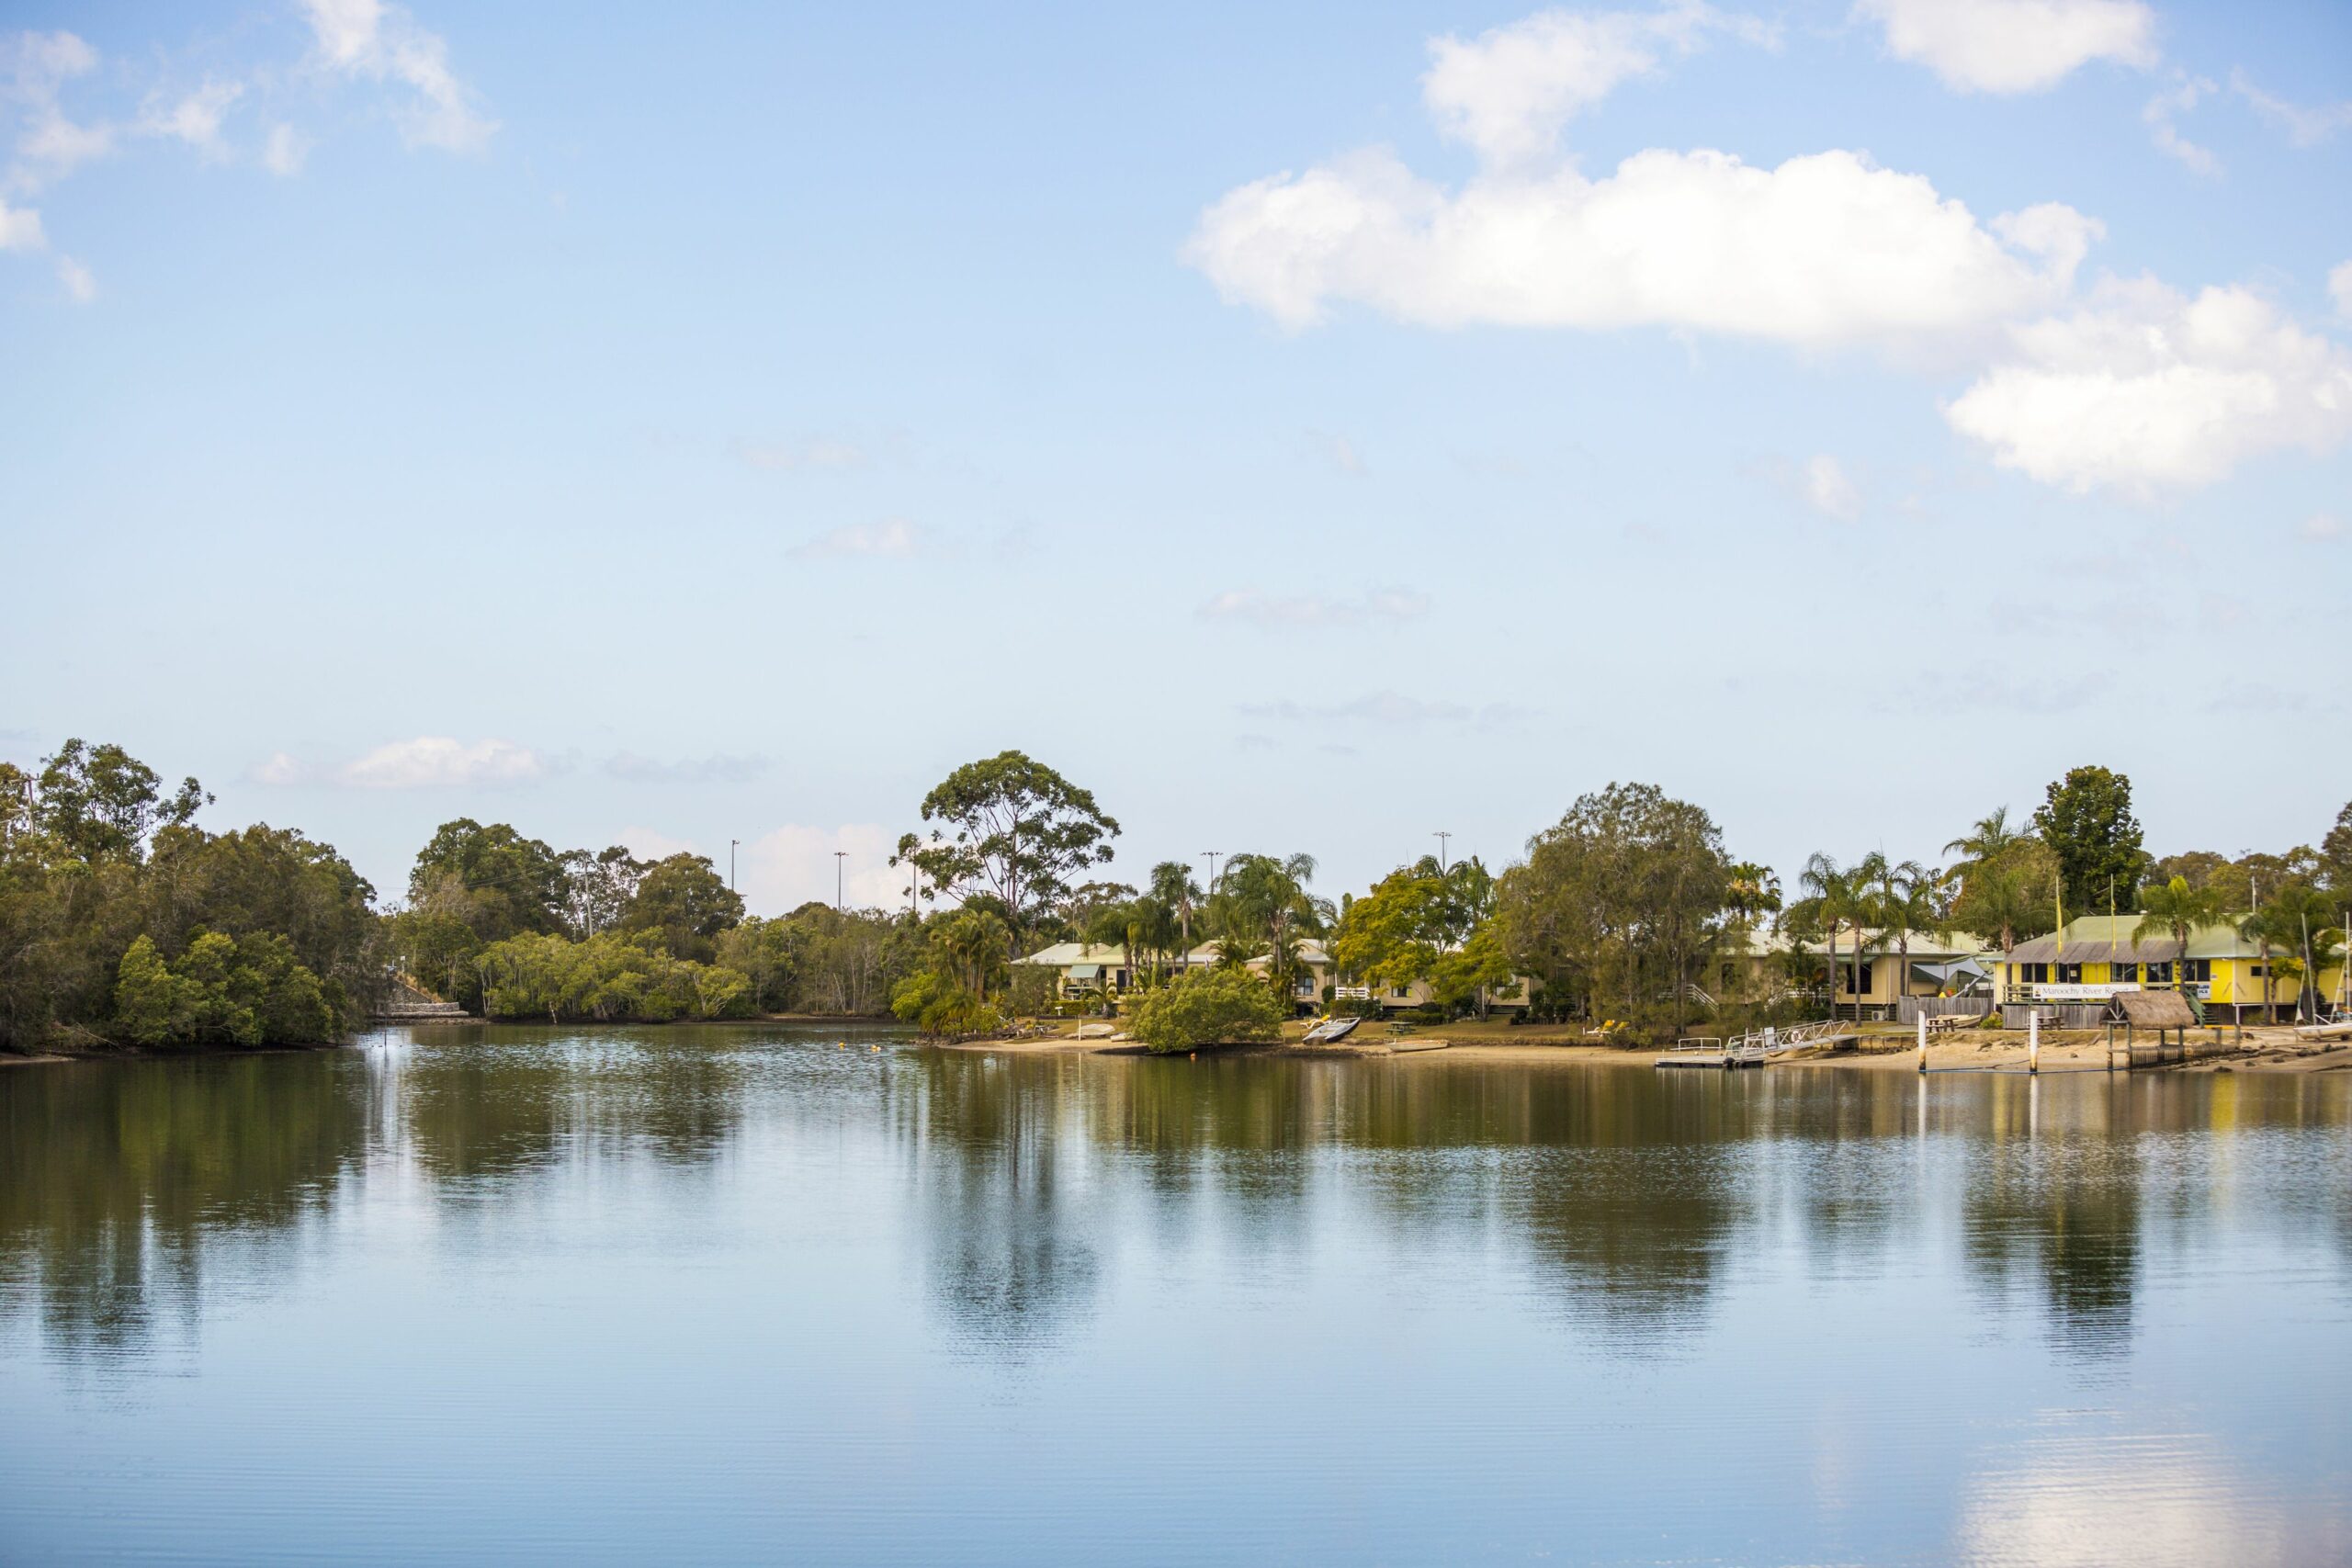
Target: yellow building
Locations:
point(1876, 970)
point(2098, 956)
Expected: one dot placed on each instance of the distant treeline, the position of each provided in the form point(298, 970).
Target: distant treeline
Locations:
point(123, 921)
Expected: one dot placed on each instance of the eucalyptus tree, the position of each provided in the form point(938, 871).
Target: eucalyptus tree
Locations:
point(1010, 828)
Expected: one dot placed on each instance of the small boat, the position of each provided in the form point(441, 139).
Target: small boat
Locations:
point(2339, 1030)
point(1326, 1029)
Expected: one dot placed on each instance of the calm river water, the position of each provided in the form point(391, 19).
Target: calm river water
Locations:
point(739, 1294)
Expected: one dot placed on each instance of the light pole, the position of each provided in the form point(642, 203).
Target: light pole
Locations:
point(1441, 838)
point(838, 856)
point(731, 863)
point(1211, 856)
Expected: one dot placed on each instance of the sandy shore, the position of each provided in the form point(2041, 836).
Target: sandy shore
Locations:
point(2275, 1050)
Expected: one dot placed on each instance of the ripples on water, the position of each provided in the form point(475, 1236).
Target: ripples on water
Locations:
point(742, 1294)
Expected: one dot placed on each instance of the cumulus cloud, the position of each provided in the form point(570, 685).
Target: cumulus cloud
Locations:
point(2147, 388)
point(1825, 250)
point(2322, 529)
point(1508, 91)
point(35, 66)
point(437, 761)
point(2013, 46)
point(20, 228)
point(382, 42)
point(1314, 611)
point(893, 537)
point(284, 150)
point(194, 117)
point(2181, 97)
point(80, 287)
point(2305, 127)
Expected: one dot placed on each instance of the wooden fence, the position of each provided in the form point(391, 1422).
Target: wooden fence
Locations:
point(1908, 1009)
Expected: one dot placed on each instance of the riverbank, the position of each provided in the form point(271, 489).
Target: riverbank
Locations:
point(1878, 1048)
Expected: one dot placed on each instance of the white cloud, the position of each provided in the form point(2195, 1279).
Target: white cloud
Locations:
point(2339, 288)
point(815, 453)
point(195, 117)
point(79, 285)
point(894, 537)
point(35, 66)
point(2147, 388)
point(793, 865)
point(281, 769)
point(2321, 529)
point(284, 150)
point(1311, 611)
point(1824, 250)
point(435, 761)
point(20, 228)
point(2305, 126)
point(1830, 492)
point(381, 41)
point(2013, 46)
point(1508, 91)
point(2157, 116)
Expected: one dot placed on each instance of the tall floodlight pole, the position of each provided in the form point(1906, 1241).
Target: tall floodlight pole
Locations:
point(1441, 838)
point(731, 843)
point(1211, 856)
point(838, 856)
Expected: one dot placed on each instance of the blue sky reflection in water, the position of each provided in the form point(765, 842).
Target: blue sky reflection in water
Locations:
point(734, 1293)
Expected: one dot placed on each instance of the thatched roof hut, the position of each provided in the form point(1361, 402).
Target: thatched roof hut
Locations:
point(2155, 1010)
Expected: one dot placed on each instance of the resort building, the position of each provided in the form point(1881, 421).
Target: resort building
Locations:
point(1110, 972)
point(1876, 970)
point(2097, 957)
point(1082, 969)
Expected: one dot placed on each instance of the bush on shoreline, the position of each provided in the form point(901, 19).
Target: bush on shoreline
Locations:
point(1209, 1007)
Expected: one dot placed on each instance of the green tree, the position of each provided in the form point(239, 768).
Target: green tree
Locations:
point(2087, 821)
point(1262, 906)
point(1012, 828)
point(685, 903)
point(1178, 895)
point(152, 1006)
point(1209, 1007)
point(497, 882)
point(2336, 858)
point(597, 888)
point(2005, 898)
point(1624, 897)
point(100, 802)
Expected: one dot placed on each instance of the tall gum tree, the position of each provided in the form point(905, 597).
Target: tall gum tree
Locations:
point(1011, 829)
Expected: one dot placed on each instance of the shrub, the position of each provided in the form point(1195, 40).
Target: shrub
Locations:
point(1209, 1007)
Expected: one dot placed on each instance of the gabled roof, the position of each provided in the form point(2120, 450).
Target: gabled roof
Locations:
point(1064, 953)
point(1764, 943)
point(2131, 939)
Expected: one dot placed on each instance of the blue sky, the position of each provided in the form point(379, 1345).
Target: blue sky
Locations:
point(1308, 430)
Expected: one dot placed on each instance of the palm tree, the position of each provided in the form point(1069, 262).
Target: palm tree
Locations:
point(1909, 898)
point(1174, 890)
point(1988, 841)
point(2177, 907)
point(1833, 892)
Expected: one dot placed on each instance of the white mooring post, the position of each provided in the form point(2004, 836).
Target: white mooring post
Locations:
point(2033, 1044)
point(1923, 1039)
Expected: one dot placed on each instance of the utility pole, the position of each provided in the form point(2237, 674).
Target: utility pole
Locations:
point(838, 856)
point(1441, 838)
point(731, 863)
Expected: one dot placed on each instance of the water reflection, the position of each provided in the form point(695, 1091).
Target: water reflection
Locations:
point(1623, 1198)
